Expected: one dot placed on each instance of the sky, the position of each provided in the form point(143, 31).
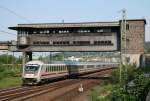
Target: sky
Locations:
point(13, 12)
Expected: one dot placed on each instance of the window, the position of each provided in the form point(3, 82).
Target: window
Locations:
point(107, 42)
point(81, 42)
point(100, 30)
point(107, 30)
point(60, 42)
point(41, 42)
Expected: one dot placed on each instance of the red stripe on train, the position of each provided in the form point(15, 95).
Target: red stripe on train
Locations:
point(53, 73)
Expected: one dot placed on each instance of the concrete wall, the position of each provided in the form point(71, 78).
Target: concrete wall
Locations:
point(112, 37)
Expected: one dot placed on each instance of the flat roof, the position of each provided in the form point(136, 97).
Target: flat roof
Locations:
point(71, 25)
point(66, 25)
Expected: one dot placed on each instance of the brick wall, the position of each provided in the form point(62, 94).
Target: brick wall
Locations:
point(135, 36)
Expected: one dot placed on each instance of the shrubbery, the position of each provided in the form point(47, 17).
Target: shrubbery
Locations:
point(8, 71)
point(134, 88)
point(134, 85)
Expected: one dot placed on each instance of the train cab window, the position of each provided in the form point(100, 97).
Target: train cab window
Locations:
point(31, 68)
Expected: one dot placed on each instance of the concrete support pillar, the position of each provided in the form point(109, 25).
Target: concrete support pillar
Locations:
point(26, 56)
point(29, 56)
point(23, 60)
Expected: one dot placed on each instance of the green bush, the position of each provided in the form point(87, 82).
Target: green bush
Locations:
point(6, 71)
point(135, 92)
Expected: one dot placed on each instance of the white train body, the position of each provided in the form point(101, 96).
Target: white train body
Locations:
point(35, 72)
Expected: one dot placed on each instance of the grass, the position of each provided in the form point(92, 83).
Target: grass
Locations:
point(9, 76)
point(10, 82)
point(101, 93)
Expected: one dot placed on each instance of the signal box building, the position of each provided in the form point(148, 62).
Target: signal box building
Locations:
point(80, 37)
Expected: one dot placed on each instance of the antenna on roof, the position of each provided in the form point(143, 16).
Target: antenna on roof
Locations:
point(63, 21)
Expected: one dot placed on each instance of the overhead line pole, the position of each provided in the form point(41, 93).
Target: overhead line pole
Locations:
point(123, 52)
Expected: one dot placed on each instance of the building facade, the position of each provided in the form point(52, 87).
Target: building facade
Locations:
point(86, 36)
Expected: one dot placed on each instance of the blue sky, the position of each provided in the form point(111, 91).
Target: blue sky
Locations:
point(47, 11)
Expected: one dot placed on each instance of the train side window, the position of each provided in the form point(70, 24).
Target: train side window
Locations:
point(50, 68)
point(46, 68)
point(59, 68)
point(54, 68)
point(62, 68)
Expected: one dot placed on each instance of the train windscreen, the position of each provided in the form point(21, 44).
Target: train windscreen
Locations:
point(31, 68)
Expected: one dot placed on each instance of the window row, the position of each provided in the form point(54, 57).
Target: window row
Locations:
point(41, 42)
point(106, 42)
point(46, 31)
point(55, 68)
point(81, 42)
point(61, 43)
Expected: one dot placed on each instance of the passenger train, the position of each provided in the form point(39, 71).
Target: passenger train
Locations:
point(36, 72)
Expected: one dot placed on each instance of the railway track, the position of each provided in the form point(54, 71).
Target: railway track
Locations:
point(25, 93)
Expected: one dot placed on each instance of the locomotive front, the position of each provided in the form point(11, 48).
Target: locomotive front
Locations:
point(31, 72)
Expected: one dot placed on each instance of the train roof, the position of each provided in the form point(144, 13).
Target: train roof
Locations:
point(35, 62)
point(70, 63)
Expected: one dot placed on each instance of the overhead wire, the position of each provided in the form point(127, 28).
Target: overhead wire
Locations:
point(7, 32)
point(14, 13)
point(10, 11)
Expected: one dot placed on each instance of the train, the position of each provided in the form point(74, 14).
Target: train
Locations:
point(38, 72)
